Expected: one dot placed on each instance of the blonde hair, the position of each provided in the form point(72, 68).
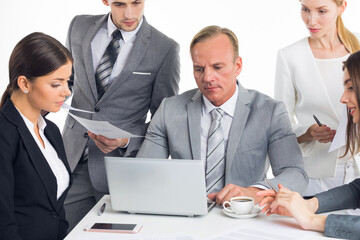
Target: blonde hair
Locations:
point(347, 38)
point(212, 31)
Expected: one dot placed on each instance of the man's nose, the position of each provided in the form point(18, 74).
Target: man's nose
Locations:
point(128, 12)
point(208, 74)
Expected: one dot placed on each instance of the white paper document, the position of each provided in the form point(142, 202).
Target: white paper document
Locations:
point(103, 128)
point(65, 106)
point(272, 230)
point(340, 136)
point(123, 236)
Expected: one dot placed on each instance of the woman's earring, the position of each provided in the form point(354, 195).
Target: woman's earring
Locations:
point(26, 91)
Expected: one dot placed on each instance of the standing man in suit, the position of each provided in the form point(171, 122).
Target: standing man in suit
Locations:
point(230, 128)
point(123, 67)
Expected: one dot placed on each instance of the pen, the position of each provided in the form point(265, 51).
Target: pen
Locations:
point(102, 209)
point(317, 121)
point(271, 185)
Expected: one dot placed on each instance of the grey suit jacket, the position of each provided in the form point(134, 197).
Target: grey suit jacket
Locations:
point(129, 97)
point(260, 126)
point(344, 197)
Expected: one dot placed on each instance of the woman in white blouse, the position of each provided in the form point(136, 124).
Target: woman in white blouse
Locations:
point(34, 172)
point(309, 81)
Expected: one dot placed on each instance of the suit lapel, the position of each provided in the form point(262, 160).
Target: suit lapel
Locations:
point(194, 123)
point(35, 155)
point(317, 78)
point(137, 53)
point(58, 145)
point(238, 124)
point(87, 56)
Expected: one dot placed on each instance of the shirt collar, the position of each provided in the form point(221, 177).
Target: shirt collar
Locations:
point(228, 106)
point(125, 35)
point(41, 122)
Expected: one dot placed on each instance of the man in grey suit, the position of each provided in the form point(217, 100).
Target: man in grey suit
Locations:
point(141, 68)
point(223, 120)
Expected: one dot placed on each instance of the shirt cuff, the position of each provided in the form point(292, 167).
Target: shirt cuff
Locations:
point(126, 144)
point(259, 186)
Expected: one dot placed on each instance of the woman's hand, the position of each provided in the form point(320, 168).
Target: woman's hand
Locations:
point(322, 134)
point(291, 204)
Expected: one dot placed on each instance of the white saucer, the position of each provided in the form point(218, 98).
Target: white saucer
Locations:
point(256, 211)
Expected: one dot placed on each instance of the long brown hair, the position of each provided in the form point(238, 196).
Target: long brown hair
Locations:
point(352, 65)
point(35, 55)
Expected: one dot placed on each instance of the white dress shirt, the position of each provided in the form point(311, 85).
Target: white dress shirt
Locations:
point(102, 40)
point(57, 166)
point(207, 107)
point(229, 109)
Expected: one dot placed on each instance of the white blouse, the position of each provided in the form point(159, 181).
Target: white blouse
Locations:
point(56, 164)
point(331, 72)
point(302, 83)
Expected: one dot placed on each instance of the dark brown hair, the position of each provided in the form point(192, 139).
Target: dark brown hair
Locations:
point(352, 65)
point(35, 55)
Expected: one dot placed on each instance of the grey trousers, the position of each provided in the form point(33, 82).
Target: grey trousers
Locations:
point(81, 197)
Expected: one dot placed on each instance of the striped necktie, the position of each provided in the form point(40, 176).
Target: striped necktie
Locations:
point(215, 157)
point(106, 64)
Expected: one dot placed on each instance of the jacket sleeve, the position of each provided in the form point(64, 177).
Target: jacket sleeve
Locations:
point(284, 153)
point(344, 197)
point(156, 144)
point(8, 224)
point(285, 91)
point(342, 226)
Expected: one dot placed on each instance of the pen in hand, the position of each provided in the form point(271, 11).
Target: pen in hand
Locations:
point(102, 209)
point(270, 184)
point(317, 121)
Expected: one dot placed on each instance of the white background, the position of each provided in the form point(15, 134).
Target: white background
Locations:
point(262, 26)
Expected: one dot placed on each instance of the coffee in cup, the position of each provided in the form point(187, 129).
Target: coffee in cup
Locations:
point(239, 205)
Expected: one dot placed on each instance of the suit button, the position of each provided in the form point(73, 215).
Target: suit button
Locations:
point(86, 135)
point(349, 235)
point(338, 233)
point(97, 109)
point(54, 214)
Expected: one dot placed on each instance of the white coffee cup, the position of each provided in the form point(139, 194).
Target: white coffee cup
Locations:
point(239, 205)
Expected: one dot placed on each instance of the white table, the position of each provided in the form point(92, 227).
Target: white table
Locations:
point(200, 227)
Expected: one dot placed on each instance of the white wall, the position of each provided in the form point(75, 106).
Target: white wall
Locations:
point(262, 27)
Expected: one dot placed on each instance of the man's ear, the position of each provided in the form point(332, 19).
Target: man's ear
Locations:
point(238, 65)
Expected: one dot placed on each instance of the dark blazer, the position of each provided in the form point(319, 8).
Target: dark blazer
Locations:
point(28, 205)
point(343, 197)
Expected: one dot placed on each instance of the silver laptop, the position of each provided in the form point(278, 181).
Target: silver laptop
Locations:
point(157, 186)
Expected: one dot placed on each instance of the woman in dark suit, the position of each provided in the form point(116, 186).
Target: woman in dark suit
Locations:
point(34, 173)
point(344, 197)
